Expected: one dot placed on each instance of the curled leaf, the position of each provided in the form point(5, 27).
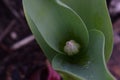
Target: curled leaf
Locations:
point(95, 15)
point(91, 65)
point(80, 28)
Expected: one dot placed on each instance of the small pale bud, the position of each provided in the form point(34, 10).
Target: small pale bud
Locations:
point(71, 47)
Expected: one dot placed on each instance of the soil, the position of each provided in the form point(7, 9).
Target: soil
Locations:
point(24, 61)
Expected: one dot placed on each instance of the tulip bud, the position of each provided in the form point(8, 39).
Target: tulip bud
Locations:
point(71, 47)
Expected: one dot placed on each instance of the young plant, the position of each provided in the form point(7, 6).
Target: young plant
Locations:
point(75, 35)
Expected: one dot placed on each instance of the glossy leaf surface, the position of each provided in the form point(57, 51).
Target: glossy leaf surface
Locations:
point(46, 48)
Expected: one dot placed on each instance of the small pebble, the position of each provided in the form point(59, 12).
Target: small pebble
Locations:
point(13, 35)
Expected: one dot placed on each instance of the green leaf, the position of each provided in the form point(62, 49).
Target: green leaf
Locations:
point(68, 76)
point(57, 23)
point(49, 52)
point(54, 23)
point(91, 65)
point(95, 15)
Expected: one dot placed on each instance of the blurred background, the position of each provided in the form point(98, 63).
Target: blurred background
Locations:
point(20, 56)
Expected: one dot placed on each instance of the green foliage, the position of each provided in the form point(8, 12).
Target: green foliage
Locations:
point(94, 13)
point(54, 22)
